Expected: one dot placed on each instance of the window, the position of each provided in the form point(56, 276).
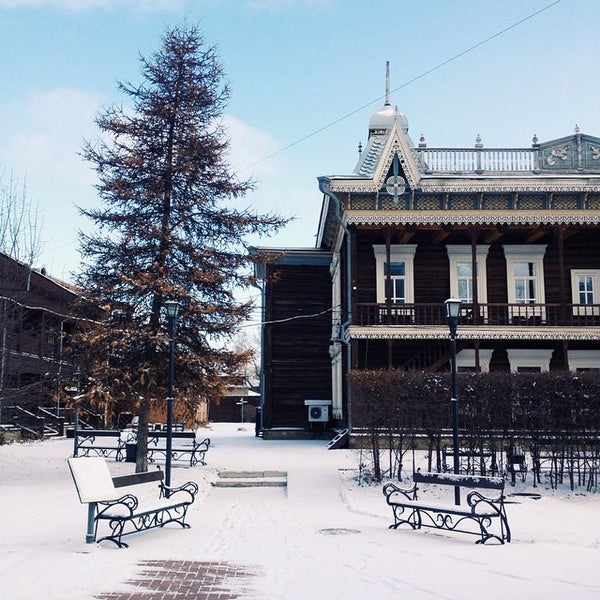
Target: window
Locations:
point(585, 288)
point(529, 360)
point(400, 272)
point(464, 278)
point(461, 272)
point(584, 360)
point(525, 280)
point(397, 273)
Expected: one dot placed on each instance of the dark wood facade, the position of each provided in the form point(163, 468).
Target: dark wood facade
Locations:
point(296, 331)
point(513, 233)
point(36, 321)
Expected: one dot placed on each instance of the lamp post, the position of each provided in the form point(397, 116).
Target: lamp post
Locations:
point(172, 307)
point(452, 316)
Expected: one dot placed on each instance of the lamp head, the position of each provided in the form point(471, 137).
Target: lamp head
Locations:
point(452, 308)
point(173, 309)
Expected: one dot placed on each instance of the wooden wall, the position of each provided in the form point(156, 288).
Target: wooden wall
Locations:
point(297, 363)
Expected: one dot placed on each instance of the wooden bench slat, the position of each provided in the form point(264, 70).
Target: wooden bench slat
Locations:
point(473, 481)
point(137, 478)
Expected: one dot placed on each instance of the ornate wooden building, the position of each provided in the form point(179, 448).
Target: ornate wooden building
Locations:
point(513, 232)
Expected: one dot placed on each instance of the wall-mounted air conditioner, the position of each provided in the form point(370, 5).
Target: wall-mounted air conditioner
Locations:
point(318, 410)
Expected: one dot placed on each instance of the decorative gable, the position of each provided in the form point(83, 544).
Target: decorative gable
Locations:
point(578, 152)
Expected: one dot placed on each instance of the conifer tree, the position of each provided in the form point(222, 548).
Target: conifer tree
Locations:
point(166, 230)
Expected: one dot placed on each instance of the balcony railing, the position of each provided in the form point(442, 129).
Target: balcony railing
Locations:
point(517, 315)
point(464, 160)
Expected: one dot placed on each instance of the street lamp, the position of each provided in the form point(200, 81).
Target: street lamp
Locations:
point(172, 308)
point(452, 317)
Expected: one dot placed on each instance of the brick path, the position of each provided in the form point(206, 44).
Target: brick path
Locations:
point(179, 579)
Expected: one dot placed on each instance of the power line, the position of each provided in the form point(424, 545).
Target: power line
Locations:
point(405, 84)
point(294, 318)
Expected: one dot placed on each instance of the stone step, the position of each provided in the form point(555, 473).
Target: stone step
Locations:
point(245, 479)
point(251, 474)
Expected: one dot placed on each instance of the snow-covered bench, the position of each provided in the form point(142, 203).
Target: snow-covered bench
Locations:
point(480, 515)
point(101, 442)
point(184, 445)
point(123, 513)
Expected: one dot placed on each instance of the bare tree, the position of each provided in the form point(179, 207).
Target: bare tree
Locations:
point(20, 223)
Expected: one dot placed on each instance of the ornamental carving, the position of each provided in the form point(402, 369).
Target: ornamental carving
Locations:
point(428, 203)
point(479, 333)
point(474, 218)
point(557, 153)
point(531, 202)
point(595, 150)
point(461, 203)
point(497, 202)
point(565, 202)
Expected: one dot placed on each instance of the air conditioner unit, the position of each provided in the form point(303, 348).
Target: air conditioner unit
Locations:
point(318, 410)
point(319, 414)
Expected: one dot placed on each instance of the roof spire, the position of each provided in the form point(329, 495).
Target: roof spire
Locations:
point(387, 83)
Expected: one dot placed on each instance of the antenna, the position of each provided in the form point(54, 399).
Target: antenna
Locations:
point(387, 83)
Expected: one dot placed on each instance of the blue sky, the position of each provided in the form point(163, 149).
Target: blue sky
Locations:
point(295, 67)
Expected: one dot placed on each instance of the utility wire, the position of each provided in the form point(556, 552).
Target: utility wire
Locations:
point(286, 320)
point(405, 84)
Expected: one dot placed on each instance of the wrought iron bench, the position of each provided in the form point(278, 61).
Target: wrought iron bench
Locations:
point(184, 444)
point(123, 513)
point(479, 515)
point(102, 442)
point(474, 460)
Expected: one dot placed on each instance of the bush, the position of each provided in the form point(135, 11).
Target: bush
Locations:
point(496, 410)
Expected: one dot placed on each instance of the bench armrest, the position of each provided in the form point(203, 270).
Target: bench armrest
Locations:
point(390, 490)
point(190, 487)
point(122, 507)
point(480, 503)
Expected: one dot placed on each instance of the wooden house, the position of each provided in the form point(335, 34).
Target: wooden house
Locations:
point(514, 233)
point(36, 320)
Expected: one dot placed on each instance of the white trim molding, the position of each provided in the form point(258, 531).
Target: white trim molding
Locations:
point(463, 254)
point(466, 359)
point(529, 358)
point(398, 253)
point(584, 360)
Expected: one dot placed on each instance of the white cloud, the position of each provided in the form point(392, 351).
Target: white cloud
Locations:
point(83, 5)
point(249, 148)
point(56, 122)
point(42, 135)
point(286, 4)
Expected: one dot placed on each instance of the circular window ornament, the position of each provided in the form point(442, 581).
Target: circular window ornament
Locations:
point(395, 185)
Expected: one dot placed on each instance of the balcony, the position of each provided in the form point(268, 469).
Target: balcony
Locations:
point(508, 315)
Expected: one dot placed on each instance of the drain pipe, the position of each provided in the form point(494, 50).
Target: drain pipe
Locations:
point(261, 288)
point(326, 189)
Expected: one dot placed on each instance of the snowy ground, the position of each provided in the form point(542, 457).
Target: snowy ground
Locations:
point(322, 538)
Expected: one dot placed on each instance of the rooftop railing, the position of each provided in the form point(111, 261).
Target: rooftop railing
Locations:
point(478, 160)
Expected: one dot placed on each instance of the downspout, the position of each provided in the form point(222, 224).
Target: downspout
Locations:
point(261, 383)
point(326, 189)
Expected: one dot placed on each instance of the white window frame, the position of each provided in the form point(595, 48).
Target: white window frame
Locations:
point(529, 358)
point(583, 359)
point(585, 309)
point(526, 253)
point(398, 253)
point(466, 358)
point(463, 254)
